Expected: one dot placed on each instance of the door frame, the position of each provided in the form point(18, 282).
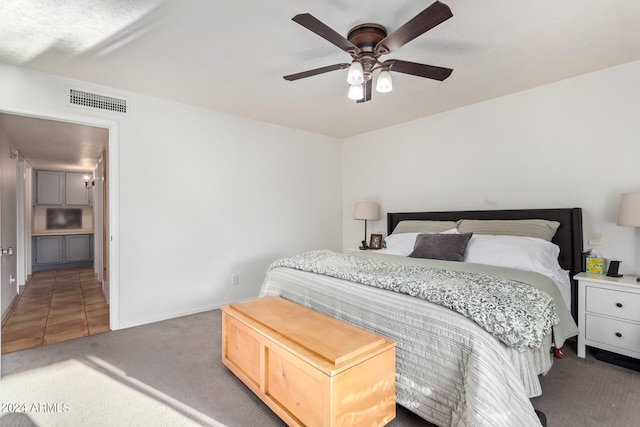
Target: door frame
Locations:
point(112, 197)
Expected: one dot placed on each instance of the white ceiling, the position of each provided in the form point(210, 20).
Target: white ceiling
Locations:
point(230, 56)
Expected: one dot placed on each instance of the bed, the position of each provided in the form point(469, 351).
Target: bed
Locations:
point(450, 370)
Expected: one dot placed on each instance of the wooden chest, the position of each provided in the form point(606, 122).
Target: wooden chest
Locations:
point(309, 368)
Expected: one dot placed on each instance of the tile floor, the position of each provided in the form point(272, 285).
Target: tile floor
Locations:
point(56, 306)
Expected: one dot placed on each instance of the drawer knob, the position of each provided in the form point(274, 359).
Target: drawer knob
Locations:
point(618, 334)
point(619, 304)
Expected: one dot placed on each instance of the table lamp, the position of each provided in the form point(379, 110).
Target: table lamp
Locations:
point(366, 211)
point(629, 213)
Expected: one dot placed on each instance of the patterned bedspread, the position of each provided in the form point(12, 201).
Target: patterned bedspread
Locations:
point(514, 312)
point(450, 371)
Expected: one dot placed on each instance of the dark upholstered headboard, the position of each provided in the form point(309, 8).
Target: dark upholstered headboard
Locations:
point(568, 237)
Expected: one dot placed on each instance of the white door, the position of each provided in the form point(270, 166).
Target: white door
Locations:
point(21, 218)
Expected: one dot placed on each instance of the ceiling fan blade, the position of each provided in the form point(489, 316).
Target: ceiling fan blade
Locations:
point(432, 16)
point(315, 72)
point(313, 24)
point(420, 70)
point(368, 86)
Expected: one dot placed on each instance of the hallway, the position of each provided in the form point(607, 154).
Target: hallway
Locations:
point(57, 305)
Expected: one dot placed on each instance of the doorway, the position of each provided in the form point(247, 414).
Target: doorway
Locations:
point(105, 250)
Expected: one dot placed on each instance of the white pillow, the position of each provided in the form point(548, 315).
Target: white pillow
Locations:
point(522, 253)
point(400, 243)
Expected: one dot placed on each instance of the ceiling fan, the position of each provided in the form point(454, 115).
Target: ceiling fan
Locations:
point(366, 43)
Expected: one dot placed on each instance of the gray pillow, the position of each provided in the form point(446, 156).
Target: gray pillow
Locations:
point(419, 226)
point(448, 247)
point(539, 228)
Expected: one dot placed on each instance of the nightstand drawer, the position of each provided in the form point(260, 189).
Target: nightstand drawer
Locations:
point(613, 332)
point(623, 305)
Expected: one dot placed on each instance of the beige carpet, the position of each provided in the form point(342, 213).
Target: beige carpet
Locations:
point(589, 393)
point(75, 393)
point(164, 374)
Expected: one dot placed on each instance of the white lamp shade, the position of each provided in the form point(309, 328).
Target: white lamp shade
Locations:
point(366, 210)
point(356, 92)
point(384, 83)
point(356, 74)
point(629, 213)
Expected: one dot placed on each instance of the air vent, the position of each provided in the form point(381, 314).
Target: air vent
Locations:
point(97, 101)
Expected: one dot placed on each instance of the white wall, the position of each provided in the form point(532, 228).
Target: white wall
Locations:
point(202, 196)
point(574, 143)
point(220, 195)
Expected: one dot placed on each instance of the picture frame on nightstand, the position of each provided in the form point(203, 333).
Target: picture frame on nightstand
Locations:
point(376, 241)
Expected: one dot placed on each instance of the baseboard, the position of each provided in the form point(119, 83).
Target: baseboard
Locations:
point(10, 308)
point(174, 315)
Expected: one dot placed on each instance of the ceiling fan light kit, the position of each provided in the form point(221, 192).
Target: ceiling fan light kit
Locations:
point(356, 92)
point(366, 43)
point(384, 83)
point(356, 74)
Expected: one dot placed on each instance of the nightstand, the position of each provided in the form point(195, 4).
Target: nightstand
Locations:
point(608, 314)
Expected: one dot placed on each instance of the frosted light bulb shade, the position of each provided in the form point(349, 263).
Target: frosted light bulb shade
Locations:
point(355, 75)
point(384, 83)
point(356, 92)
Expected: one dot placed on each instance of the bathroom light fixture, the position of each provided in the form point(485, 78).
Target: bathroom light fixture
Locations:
point(86, 183)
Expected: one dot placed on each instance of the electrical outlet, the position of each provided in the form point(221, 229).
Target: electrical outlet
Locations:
point(596, 239)
point(235, 279)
